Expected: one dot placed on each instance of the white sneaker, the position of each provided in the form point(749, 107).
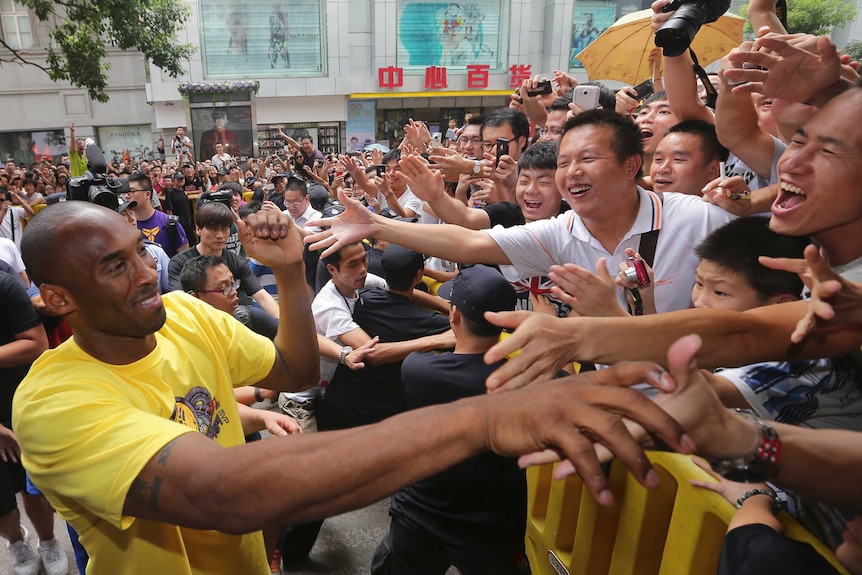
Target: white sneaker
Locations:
point(24, 561)
point(53, 557)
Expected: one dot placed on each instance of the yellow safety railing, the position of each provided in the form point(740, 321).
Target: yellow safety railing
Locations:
point(676, 529)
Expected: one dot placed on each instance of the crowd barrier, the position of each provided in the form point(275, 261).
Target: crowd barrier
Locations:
point(676, 529)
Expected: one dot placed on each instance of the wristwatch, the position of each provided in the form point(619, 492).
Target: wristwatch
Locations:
point(344, 351)
point(761, 465)
point(477, 168)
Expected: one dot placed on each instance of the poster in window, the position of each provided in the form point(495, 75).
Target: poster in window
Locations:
point(230, 126)
point(452, 34)
point(263, 38)
point(589, 19)
point(360, 124)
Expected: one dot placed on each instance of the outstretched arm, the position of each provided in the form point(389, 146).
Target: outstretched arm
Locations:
point(332, 472)
point(445, 241)
point(729, 339)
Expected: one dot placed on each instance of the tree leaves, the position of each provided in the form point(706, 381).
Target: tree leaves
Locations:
point(80, 30)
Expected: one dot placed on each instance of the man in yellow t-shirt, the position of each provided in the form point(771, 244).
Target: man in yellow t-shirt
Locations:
point(131, 430)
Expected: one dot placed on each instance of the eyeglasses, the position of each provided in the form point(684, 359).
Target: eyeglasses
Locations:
point(293, 203)
point(225, 291)
point(488, 146)
point(464, 140)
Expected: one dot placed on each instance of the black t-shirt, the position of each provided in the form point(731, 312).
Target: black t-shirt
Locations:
point(18, 315)
point(248, 282)
point(369, 395)
point(506, 214)
point(757, 549)
point(194, 185)
point(481, 499)
point(177, 203)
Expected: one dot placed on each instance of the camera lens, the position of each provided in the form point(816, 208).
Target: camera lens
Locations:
point(631, 275)
point(676, 35)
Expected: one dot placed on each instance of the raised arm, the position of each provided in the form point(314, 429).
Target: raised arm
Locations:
point(272, 239)
point(737, 128)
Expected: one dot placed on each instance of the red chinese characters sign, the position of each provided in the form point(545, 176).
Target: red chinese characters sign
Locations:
point(436, 77)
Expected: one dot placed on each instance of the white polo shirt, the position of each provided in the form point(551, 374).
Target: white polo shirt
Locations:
point(683, 220)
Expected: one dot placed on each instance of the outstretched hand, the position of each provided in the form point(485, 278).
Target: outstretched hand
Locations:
point(354, 225)
point(427, 185)
point(833, 299)
point(545, 343)
point(782, 69)
point(569, 416)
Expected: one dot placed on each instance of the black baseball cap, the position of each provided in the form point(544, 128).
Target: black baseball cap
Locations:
point(178, 176)
point(126, 206)
point(478, 289)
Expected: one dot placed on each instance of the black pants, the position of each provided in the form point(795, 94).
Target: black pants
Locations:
point(412, 552)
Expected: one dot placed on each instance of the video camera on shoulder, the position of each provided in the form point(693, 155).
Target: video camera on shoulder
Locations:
point(220, 197)
point(94, 186)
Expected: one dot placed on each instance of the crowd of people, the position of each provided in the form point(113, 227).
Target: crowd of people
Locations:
point(352, 306)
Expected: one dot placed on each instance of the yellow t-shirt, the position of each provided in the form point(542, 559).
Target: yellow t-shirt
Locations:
point(86, 430)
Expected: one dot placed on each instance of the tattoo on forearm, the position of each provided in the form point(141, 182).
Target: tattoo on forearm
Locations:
point(142, 493)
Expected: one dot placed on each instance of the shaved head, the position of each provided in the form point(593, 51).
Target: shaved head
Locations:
point(56, 230)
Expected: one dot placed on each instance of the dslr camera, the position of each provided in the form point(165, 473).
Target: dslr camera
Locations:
point(94, 186)
point(676, 35)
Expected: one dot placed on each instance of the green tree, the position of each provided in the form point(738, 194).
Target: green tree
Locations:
point(854, 49)
point(79, 30)
point(818, 17)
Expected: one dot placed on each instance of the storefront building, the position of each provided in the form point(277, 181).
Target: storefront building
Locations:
point(348, 73)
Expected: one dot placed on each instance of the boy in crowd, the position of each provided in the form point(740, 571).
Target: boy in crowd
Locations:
point(814, 393)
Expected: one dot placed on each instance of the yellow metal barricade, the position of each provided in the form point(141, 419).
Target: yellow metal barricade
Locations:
point(677, 529)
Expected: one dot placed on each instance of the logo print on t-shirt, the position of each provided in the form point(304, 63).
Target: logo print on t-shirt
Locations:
point(150, 233)
point(200, 411)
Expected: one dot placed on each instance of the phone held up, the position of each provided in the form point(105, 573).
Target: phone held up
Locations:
point(586, 97)
point(542, 88)
point(644, 90)
point(502, 148)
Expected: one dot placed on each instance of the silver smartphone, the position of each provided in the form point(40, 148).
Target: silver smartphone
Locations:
point(586, 97)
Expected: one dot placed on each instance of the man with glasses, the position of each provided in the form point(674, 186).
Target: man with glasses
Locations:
point(556, 122)
point(210, 280)
point(297, 204)
point(506, 123)
point(156, 226)
point(213, 226)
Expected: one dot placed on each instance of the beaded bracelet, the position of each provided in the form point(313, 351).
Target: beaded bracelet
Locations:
point(752, 492)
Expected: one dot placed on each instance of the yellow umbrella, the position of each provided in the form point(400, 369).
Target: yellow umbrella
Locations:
point(622, 51)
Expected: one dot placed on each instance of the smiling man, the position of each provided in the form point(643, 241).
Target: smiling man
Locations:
point(597, 168)
point(819, 176)
point(687, 158)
